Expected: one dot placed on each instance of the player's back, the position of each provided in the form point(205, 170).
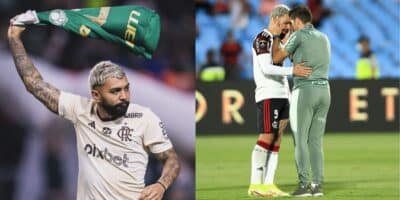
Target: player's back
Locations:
point(314, 49)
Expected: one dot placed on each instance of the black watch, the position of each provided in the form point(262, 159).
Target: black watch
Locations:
point(276, 36)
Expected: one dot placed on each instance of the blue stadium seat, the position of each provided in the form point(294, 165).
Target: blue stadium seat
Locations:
point(391, 6)
point(340, 66)
point(201, 50)
point(254, 27)
point(207, 39)
point(224, 24)
point(337, 67)
point(203, 19)
point(247, 59)
point(387, 67)
point(265, 20)
point(350, 52)
point(363, 22)
point(385, 21)
point(328, 3)
point(255, 4)
point(328, 28)
point(292, 2)
point(211, 36)
point(346, 28)
point(247, 72)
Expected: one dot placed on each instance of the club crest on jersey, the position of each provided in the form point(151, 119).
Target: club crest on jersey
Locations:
point(261, 44)
point(125, 133)
point(58, 17)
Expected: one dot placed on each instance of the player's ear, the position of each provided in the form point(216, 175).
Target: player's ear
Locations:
point(96, 95)
point(273, 20)
point(297, 21)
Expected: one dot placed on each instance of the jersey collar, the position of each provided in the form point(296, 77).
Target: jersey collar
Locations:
point(308, 26)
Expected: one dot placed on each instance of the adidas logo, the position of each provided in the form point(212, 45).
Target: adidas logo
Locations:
point(92, 124)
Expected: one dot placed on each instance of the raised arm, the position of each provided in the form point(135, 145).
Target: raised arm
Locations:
point(278, 54)
point(30, 76)
point(169, 173)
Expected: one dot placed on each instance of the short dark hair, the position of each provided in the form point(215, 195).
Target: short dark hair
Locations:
point(301, 12)
point(363, 38)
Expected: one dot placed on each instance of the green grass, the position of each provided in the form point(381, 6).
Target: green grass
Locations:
point(357, 166)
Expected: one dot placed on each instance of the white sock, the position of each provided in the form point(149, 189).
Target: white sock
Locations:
point(258, 158)
point(271, 165)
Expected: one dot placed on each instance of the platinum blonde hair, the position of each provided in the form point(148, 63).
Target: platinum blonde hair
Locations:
point(103, 70)
point(279, 11)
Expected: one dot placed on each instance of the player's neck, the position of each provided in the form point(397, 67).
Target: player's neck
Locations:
point(304, 25)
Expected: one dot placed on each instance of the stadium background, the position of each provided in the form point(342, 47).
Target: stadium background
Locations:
point(38, 157)
point(344, 21)
point(361, 151)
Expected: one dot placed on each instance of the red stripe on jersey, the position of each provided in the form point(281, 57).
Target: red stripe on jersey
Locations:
point(267, 146)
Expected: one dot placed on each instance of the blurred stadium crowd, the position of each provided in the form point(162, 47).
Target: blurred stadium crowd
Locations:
point(226, 29)
point(173, 66)
point(41, 162)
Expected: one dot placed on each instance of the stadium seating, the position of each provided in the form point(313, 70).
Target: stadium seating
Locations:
point(379, 20)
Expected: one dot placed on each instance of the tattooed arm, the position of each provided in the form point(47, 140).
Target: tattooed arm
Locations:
point(171, 167)
point(169, 173)
point(31, 77)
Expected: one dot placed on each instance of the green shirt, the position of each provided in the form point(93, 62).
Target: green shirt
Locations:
point(311, 46)
point(134, 27)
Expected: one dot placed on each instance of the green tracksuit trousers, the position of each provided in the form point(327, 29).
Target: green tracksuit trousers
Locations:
point(308, 111)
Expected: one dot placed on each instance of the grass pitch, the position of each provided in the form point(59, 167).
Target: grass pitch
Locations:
point(357, 166)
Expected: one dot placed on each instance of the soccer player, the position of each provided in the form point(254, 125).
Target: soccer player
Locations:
point(271, 95)
point(310, 98)
point(114, 136)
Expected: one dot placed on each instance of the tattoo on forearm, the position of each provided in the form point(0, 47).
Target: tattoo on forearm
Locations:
point(171, 166)
point(31, 77)
point(47, 94)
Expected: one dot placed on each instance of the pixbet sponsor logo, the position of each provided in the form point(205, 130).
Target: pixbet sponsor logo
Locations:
point(94, 151)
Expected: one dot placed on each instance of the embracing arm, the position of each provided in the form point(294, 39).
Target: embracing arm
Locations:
point(30, 76)
point(298, 69)
point(278, 54)
point(262, 53)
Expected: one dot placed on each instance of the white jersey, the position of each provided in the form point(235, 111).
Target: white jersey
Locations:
point(271, 80)
point(112, 155)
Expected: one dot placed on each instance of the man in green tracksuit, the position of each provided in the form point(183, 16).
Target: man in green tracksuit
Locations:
point(310, 99)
